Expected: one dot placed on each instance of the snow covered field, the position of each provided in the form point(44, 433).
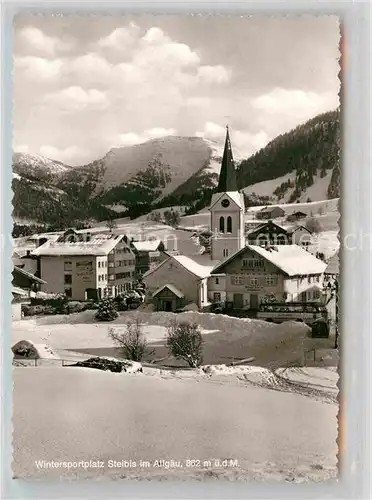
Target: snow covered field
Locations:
point(76, 414)
point(226, 339)
point(262, 419)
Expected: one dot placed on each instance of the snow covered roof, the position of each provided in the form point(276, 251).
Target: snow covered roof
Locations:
point(293, 260)
point(19, 291)
point(235, 196)
point(199, 270)
point(333, 266)
point(194, 267)
point(31, 276)
point(98, 245)
point(170, 287)
point(146, 246)
point(270, 208)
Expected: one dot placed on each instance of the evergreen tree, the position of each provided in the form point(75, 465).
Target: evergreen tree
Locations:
point(106, 310)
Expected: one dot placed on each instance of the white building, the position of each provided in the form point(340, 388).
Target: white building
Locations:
point(104, 265)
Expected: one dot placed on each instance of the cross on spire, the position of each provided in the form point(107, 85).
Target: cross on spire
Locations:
point(227, 181)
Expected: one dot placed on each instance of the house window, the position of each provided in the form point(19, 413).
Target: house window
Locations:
point(68, 265)
point(68, 279)
point(316, 294)
point(269, 281)
point(216, 297)
point(99, 263)
point(309, 279)
point(99, 277)
point(105, 276)
point(317, 279)
point(68, 292)
point(237, 280)
point(217, 281)
point(245, 262)
point(222, 224)
point(229, 225)
point(225, 252)
point(254, 281)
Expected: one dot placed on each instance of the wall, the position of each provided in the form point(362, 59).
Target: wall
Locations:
point(214, 287)
point(83, 271)
point(301, 236)
point(171, 272)
point(299, 284)
point(16, 311)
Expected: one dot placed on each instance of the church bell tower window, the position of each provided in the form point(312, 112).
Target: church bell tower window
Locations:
point(222, 224)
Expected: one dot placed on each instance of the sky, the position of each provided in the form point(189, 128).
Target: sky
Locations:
point(86, 84)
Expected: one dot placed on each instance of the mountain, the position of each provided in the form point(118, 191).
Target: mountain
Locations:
point(177, 171)
point(136, 178)
point(302, 163)
point(39, 167)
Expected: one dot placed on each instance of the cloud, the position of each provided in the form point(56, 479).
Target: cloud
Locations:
point(37, 69)
point(297, 103)
point(68, 155)
point(214, 74)
point(243, 143)
point(131, 139)
point(36, 42)
point(21, 148)
point(121, 38)
point(93, 82)
point(73, 99)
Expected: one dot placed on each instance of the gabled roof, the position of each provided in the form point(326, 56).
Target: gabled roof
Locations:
point(98, 245)
point(146, 246)
point(291, 259)
point(189, 264)
point(270, 209)
point(31, 276)
point(333, 266)
point(288, 228)
point(235, 196)
point(170, 287)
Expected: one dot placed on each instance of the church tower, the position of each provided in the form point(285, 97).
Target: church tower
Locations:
point(227, 210)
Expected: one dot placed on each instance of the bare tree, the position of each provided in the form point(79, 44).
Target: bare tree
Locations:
point(184, 341)
point(131, 341)
point(111, 224)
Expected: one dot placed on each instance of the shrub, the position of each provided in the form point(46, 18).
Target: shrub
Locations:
point(121, 303)
point(184, 341)
point(132, 341)
point(106, 310)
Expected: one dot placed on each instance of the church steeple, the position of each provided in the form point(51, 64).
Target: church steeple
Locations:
point(227, 181)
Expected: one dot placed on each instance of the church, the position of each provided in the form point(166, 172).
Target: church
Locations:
point(241, 276)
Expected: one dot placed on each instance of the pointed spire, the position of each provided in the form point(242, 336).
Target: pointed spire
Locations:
point(227, 181)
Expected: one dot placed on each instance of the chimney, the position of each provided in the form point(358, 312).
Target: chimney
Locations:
point(88, 236)
point(28, 253)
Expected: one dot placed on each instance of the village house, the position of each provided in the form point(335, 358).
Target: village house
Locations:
point(19, 297)
point(177, 282)
point(332, 270)
point(256, 274)
point(103, 265)
point(295, 216)
point(271, 232)
point(148, 254)
point(24, 287)
point(270, 213)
